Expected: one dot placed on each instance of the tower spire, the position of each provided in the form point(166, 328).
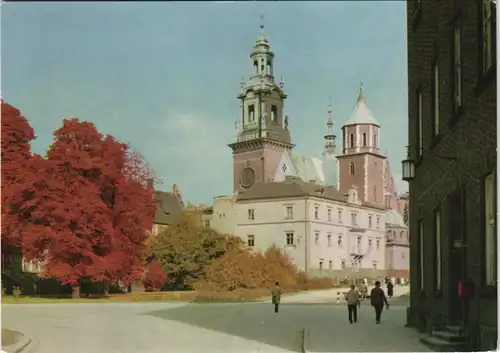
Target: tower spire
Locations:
point(361, 95)
point(262, 25)
point(330, 136)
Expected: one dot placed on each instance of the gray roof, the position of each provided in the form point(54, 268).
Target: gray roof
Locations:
point(361, 114)
point(168, 207)
point(292, 188)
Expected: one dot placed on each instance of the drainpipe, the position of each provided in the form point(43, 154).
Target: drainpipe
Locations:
point(306, 240)
point(263, 169)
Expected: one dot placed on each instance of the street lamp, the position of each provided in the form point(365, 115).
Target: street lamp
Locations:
point(408, 167)
point(409, 163)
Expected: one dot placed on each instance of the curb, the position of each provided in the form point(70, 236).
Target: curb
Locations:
point(305, 340)
point(17, 347)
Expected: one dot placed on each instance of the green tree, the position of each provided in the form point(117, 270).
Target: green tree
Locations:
point(185, 248)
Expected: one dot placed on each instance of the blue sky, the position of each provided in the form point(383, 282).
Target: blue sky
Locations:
point(164, 76)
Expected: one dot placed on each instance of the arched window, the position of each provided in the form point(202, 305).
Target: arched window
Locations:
point(375, 140)
point(364, 139)
point(351, 168)
point(351, 137)
point(401, 234)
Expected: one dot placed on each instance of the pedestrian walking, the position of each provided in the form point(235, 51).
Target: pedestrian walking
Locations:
point(378, 299)
point(363, 290)
point(276, 292)
point(353, 304)
point(390, 289)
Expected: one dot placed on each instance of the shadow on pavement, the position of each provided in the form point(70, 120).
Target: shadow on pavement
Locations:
point(251, 321)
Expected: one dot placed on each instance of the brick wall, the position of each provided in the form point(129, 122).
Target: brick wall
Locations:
point(471, 138)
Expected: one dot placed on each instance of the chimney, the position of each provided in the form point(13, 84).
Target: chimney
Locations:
point(150, 183)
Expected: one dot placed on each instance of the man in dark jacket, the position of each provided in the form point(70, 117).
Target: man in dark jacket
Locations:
point(378, 299)
point(276, 296)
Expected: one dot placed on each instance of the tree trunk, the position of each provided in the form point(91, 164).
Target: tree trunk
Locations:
point(129, 288)
point(75, 291)
point(106, 287)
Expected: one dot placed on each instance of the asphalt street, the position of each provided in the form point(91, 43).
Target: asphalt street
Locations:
point(174, 327)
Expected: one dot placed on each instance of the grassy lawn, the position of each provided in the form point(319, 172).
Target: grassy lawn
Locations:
point(185, 296)
point(10, 337)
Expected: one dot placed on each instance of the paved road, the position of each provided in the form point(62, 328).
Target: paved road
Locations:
point(206, 328)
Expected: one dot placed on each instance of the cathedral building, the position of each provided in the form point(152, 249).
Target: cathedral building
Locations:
point(335, 214)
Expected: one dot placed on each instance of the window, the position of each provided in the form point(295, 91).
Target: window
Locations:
point(354, 219)
point(370, 242)
point(401, 234)
point(343, 264)
point(339, 241)
point(435, 99)
point(316, 238)
point(316, 212)
point(370, 223)
point(364, 139)
point(374, 265)
point(457, 66)
point(488, 34)
point(420, 108)
point(321, 265)
point(251, 214)
point(378, 244)
point(490, 233)
point(256, 66)
point(329, 236)
point(420, 228)
point(290, 239)
point(359, 243)
point(269, 68)
point(375, 193)
point(378, 222)
point(375, 140)
point(351, 137)
point(289, 212)
point(251, 240)
point(340, 216)
point(351, 168)
point(274, 113)
point(330, 265)
point(155, 228)
point(207, 223)
point(437, 248)
point(251, 113)
point(329, 211)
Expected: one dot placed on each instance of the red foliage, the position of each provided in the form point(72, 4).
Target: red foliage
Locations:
point(155, 276)
point(16, 154)
point(88, 213)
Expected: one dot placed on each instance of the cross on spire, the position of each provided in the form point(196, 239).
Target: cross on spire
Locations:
point(262, 25)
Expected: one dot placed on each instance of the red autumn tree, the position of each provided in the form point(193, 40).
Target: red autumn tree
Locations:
point(88, 215)
point(16, 155)
point(155, 276)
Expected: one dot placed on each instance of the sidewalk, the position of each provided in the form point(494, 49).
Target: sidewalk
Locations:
point(364, 336)
point(330, 295)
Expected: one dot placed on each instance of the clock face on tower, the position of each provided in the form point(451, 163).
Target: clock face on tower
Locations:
point(247, 178)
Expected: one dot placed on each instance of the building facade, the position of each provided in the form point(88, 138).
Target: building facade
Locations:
point(452, 137)
point(339, 231)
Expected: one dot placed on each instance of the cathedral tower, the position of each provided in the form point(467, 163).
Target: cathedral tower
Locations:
point(361, 162)
point(262, 132)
